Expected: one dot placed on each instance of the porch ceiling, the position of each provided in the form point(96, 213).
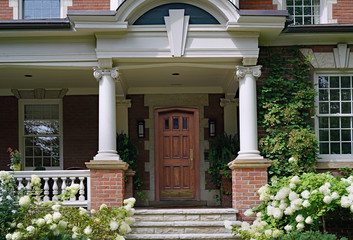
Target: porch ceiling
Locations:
point(134, 78)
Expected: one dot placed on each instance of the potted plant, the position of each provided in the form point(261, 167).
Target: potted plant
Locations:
point(223, 149)
point(15, 158)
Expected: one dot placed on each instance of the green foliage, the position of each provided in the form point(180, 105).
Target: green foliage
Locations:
point(128, 152)
point(223, 149)
point(296, 235)
point(286, 103)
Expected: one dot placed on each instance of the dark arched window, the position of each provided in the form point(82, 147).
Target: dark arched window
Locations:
point(156, 15)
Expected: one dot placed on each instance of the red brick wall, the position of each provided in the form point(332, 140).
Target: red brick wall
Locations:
point(139, 112)
point(80, 125)
point(90, 5)
point(257, 5)
point(8, 128)
point(343, 11)
point(6, 12)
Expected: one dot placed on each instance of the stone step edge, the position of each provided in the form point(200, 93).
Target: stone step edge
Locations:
point(182, 236)
point(219, 211)
point(180, 224)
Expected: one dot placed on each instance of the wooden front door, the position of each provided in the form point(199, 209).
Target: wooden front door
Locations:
point(177, 162)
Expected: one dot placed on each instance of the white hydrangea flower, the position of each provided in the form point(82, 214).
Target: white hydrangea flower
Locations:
point(25, 201)
point(245, 226)
point(62, 225)
point(16, 235)
point(124, 228)
point(324, 189)
point(73, 189)
point(130, 201)
point(268, 233)
point(300, 226)
point(113, 225)
point(292, 160)
point(75, 229)
point(93, 211)
point(292, 185)
point(295, 180)
point(309, 220)
point(88, 230)
point(299, 218)
point(350, 189)
point(40, 222)
point(56, 207)
point(129, 220)
point(327, 199)
point(74, 236)
point(282, 193)
point(277, 213)
point(48, 218)
point(335, 195)
point(103, 206)
point(249, 213)
point(56, 216)
point(289, 211)
point(283, 206)
point(53, 227)
point(288, 228)
point(276, 233)
point(228, 224)
point(8, 236)
point(259, 214)
point(82, 211)
point(345, 202)
point(20, 225)
point(35, 181)
point(293, 195)
point(264, 193)
point(119, 238)
point(296, 204)
point(305, 194)
point(30, 229)
point(306, 204)
point(351, 208)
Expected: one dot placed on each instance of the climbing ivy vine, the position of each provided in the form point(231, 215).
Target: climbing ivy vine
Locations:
point(286, 111)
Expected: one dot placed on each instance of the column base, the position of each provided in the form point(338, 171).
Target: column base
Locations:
point(248, 175)
point(107, 164)
point(107, 155)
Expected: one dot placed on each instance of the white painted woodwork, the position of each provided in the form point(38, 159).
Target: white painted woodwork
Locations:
point(248, 112)
point(55, 183)
point(107, 114)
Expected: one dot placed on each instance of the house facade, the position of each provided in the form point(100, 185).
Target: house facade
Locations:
point(170, 74)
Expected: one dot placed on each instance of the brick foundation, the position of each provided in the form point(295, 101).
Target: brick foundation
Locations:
point(108, 187)
point(245, 183)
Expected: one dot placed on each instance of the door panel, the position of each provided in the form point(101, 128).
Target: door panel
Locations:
point(175, 145)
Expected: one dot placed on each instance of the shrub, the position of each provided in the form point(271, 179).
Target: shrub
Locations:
point(296, 235)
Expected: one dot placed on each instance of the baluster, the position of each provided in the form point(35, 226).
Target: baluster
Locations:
point(46, 190)
point(55, 189)
point(28, 186)
point(72, 199)
point(82, 190)
point(20, 184)
point(63, 185)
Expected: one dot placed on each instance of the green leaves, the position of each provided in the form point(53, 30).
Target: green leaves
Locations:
point(286, 108)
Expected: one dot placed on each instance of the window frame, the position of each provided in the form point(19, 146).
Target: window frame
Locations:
point(22, 103)
point(332, 157)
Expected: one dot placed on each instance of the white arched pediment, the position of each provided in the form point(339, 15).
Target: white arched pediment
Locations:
point(223, 10)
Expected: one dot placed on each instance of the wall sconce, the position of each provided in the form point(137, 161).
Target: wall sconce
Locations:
point(212, 128)
point(141, 129)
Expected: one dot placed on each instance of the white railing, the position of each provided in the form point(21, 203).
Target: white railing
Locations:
point(55, 183)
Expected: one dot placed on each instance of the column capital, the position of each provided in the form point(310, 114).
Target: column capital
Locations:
point(254, 71)
point(225, 101)
point(99, 72)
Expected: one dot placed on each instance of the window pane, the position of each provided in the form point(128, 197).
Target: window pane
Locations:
point(346, 94)
point(40, 9)
point(29, 162)
point(166, 124)
point(324, 148)
point(346, 122)
point(323, 108)
point(323, 135)
point(335, 148)
point(345, 82)
point(323, 82)
point(323, 122)
point(334, 95)
point(346, 107)
point(335, 107)
point(185, 123)
point(335, 135)
point(346, 148)
point(334, 82)
point(334, 122)
point(346, 135)
point(175, 123)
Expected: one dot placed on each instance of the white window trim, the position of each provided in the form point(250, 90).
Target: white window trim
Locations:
point(331, 158)
point(17, 8)
point(21, 103)
point(326, 9)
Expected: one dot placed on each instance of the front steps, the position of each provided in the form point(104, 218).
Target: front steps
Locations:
point(187, 223)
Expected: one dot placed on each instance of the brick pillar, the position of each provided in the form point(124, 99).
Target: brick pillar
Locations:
point(247, 177)
point(129, 186)
point(107, 182)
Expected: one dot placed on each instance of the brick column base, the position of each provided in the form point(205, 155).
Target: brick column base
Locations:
point(247, 177)
point(107, 183)
point(129, 186)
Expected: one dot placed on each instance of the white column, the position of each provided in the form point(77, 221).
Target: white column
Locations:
point(107, 114)
point(248, 112)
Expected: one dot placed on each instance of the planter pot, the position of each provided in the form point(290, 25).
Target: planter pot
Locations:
point(17, 167)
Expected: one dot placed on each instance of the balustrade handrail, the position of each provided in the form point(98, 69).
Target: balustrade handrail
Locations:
point(53, 173)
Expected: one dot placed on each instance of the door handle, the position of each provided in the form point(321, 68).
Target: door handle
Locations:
point(192, 158)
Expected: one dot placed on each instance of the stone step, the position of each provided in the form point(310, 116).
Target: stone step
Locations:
point(186, 223)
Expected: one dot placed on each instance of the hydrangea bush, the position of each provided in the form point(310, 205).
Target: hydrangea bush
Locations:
point(52, 220)
point(295, 203)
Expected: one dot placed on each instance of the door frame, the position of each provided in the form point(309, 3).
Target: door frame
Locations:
point(195, 112)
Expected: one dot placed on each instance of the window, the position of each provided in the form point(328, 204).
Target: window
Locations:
point(304, 11)
point(41, 9)
point(335, 116)
point(41, 134)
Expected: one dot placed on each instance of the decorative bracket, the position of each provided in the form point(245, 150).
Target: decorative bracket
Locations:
point(177, 26)
point(341, 54)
